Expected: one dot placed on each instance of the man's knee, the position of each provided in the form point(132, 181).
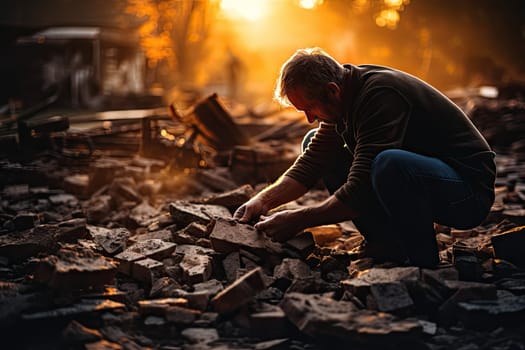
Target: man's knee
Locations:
point(387, 165)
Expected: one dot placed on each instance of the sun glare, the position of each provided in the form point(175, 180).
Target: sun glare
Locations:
point(310, 4)
point(251, 10)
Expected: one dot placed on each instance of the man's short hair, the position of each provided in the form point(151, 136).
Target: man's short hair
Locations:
point(310, 69)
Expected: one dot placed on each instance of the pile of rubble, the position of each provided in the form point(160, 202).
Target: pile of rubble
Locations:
point(133, 254)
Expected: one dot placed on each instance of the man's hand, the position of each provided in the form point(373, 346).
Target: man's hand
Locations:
point(284, 190)
point(283, 225)
point(250, 210)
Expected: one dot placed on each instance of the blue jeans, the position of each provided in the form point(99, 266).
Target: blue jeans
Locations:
point(410, 193)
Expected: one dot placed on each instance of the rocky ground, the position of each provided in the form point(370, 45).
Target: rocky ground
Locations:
point(121, 251)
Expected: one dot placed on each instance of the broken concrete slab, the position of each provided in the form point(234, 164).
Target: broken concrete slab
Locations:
point(489, 314)
point(240, 292)
point(146, 270)
point(392, 297)
point(153, 248)
point(72, 270)
point(72, 230)
point(196, 268)
point(184, 212)
point(360, 286)
point(143, 214)
point(164, 234)
point(325, 318)
point(459, 291)
point(125, 261)
point(228, 236)
point(112, 241)
point(18, 247)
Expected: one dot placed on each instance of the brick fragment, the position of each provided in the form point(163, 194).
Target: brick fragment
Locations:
point(184, 212)
point(228, 236)
point(153, 248)
point(146, 270)
point(181, 315)
point(196, 268)
point(159, 306)
point(240, 292)
point(112, 241)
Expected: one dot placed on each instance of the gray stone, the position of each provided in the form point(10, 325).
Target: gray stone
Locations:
point(360, 286)
point(146, 270)
point(70, 270)
point(486, 314)
point(240, 292)
point(200, 335)
point(143, 214)
point(392, 297)
point(153, 248)
point(112, 241)
point(184, 212)
point(228, 236)
point(325, 318)
point(196, 268)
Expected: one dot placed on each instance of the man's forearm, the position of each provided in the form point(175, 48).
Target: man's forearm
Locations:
point(284, 190)
point(331, 211)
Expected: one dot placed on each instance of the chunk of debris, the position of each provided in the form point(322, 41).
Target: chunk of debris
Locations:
point(228, 236)
point(146, 270)
point(72, 230)
point(360, 286)
point(324, 318)
point(184, 212)
point(196, 268)
point(112, 241)
point(489, 314)
point(70, 270)
point(240, 292)
point(153, 248)
point(142, 214)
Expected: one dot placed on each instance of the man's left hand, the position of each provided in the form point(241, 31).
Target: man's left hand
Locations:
point(283, 225)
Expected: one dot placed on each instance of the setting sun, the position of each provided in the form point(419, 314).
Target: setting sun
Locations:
point(251, 10)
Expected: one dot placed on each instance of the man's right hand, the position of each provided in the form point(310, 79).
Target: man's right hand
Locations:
point(250, 210)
